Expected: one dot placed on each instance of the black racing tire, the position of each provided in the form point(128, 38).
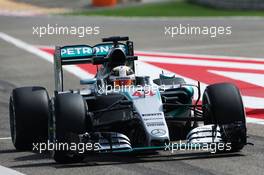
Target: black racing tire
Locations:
point(223, 105)
point(70, 117)
point(29, 113)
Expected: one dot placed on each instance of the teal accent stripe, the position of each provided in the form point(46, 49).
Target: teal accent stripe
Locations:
point(175, 147)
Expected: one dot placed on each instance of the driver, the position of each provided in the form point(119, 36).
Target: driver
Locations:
point(122, 76)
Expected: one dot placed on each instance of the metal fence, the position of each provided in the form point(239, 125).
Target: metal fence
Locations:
point(232, 4)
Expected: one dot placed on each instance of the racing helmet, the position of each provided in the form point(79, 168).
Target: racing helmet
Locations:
point(122, 76)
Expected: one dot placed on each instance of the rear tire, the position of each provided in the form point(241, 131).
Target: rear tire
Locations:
point(70, 117)
point(222, 105)
point(29, 112)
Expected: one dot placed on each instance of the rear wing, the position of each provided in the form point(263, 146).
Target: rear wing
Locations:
point(76, 54)
point(83, 54)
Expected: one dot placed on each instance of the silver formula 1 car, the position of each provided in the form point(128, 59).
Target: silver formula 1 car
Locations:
point(120, 111)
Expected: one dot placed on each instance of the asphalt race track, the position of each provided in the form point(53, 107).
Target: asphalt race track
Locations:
point(18, 67)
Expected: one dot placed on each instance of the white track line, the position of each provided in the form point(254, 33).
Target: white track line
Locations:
point(255, 120)
point(206, 63)
point(18, 13)
point(258, 79)
point(44, 55)
point(8, 171)
point(202, 56)
point(151, 70)
point(5, 138)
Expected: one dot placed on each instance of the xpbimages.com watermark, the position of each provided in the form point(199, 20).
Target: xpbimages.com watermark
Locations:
point(208, 147)
point(210, 31)
point(148, 90)
point(79, 31)
point(59, 146)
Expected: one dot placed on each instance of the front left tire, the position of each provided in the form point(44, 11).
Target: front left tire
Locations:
point(70, 117)
point(29, 113)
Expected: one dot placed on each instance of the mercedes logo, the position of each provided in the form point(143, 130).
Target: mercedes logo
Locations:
point(158, 132)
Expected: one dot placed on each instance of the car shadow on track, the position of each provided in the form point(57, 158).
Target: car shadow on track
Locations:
point(121, 159)
point(8, 151)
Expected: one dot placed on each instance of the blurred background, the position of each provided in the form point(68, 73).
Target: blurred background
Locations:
point(137, 7)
